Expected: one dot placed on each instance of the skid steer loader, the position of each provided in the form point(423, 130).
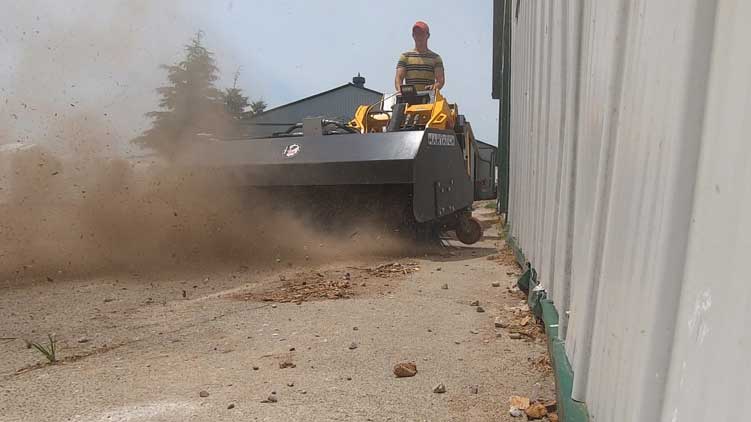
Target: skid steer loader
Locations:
point(409, 168)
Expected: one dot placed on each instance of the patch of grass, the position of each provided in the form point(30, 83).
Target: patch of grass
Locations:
point(490, 205)
point(49, 351)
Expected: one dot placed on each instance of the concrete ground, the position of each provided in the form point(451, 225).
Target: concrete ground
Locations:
point(134, 349)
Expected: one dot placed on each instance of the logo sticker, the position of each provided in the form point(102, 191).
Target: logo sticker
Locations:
point(291, 150)
point(441, 139)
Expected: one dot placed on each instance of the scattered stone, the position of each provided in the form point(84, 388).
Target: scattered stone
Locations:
point(496, 284)
point(272, 399)
point(480, 309)
point(108, 300)
point(439, 389)
point(405, 369)
point(349, 378)
point(457, 342)
point(286, 364)
point(536, 411)
point(255, 368)
point(353, 346)
point(429, 330)
point(499, 323)
point(303, 392)
point(290, 384)
point(355, 328)
point(438, 269)
point(231, 406)
point(203, 393)
point(474, 303)
point(445, 286)
point(83, 340)
point(515, 336)
point(474, 389)
point(474, 331)
point(515, 412)
point(291, 349)
point(273, 306)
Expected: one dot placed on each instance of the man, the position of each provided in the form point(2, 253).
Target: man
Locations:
point(420, 66)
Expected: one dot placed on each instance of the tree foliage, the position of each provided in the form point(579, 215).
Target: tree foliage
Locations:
point(234, 101)
point(191, 104)
point(257, 107)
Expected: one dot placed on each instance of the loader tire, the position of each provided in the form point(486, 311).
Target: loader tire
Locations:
point(469, 230)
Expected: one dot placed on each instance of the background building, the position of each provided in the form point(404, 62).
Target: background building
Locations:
point(337, 104)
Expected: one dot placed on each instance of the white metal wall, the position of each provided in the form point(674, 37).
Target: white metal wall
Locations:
point(631, 196)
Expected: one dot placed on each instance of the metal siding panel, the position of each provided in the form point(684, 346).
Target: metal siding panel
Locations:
point(601, 92)
point(571, 29)
point(551, 176)
point(708, 369)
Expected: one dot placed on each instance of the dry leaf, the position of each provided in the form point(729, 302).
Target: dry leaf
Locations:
point(519, 402)
point(536, 411)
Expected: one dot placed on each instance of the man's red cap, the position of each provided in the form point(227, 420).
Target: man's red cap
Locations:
point(422, 26)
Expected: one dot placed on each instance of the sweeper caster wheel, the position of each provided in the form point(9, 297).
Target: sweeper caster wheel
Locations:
point(469, 230)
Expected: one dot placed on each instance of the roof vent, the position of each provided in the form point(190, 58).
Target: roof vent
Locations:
point(358, 81)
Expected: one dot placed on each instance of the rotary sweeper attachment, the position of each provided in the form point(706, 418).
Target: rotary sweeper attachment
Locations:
point(407, 169)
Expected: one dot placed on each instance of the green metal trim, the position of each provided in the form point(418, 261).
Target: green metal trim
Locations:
point(524, 281)
point(535, 297)
point(520, 258)
point(569, 410)
point(504, 108)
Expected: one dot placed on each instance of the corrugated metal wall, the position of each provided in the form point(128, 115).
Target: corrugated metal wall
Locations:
point(630, 193)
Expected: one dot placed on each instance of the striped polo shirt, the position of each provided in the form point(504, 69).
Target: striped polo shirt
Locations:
point(420, 67)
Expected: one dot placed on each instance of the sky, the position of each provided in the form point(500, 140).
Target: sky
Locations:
point(99, 61)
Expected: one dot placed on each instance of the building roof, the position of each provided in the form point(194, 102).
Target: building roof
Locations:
point(348, 84)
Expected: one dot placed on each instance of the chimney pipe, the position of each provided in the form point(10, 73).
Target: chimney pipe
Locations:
point(358, 81)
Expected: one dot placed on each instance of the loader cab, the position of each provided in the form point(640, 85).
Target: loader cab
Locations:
point(412, 110)
point(410, 95)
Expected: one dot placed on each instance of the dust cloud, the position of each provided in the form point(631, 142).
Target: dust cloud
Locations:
point(76, 200)
point(85, 214)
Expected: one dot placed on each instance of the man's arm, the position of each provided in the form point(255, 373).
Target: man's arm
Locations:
point(440, 78)
point(401, 72)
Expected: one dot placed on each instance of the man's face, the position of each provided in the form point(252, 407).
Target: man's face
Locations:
point(419, 35)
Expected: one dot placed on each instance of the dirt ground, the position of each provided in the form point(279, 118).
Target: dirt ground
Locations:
point(321, 338)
